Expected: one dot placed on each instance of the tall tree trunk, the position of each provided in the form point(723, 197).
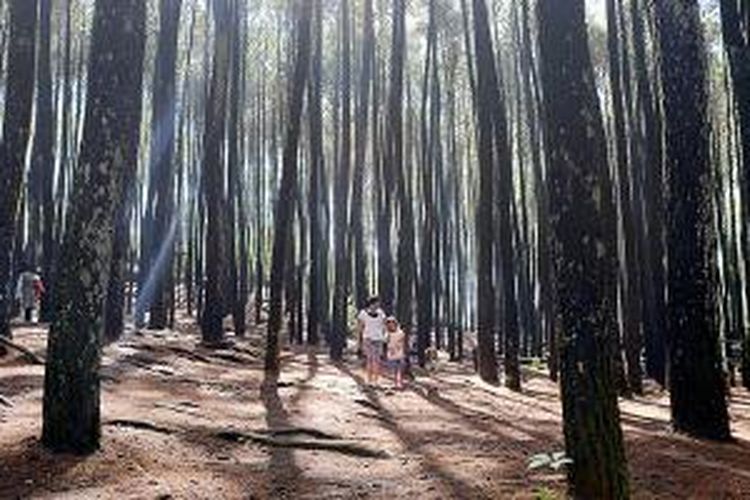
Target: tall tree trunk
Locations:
point(48, 299)
point(19, 93)
point(43, 161)
point(341, 195)
point(495, 160)
point(285, 200)
point(213, 178)
point(580, 196)
point(696, 385)
point(318, 278)
point(653, 251)
point(161, 202)
point(735, 22)
point(71, 414)
point(620, 85)
point(394, 159)
point(361, 122)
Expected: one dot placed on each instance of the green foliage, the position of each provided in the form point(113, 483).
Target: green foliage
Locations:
point(545, 494)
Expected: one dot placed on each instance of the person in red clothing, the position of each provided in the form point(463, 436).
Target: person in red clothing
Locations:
point(29, 292)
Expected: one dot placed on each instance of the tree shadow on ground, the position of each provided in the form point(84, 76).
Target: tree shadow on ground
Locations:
point(414, 443)
point(489, 424)
point(18, 385)
point(27, 468)
point(282, 468)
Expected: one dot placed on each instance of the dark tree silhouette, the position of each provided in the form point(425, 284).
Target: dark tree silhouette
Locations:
point(215, 128)
point(735, 22)
point(286, 199)
point(16, 128)
point(580, 199)
point(71, 416)
point(696, 387)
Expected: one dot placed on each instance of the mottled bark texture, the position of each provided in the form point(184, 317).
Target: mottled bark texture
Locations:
point(696, 385)
point(580, 207)
point(71, 415)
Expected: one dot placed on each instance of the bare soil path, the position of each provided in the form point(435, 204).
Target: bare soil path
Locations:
point(183, 421)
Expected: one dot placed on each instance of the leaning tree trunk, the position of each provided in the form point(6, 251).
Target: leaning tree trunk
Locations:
point(580, 198)
point(696, 386)
point(71, 415)
point(285, 200)
point(19, 92)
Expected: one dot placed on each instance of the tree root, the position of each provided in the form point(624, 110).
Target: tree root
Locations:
point(30, 356)
point(375, 416)
point(233, 358)
point(367, 404)
point(5, 401)
point(141, 425)
point(296, 431)
point(193, 356)
point(277, 438)
point(274, 439)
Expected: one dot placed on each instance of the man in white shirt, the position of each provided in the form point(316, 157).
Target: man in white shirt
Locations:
point(371, 335)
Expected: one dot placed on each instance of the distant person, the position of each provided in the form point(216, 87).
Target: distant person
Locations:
point(29, 291)
point(371, 336)
point(396, 350)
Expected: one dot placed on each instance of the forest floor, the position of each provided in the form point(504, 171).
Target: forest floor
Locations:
point(183, 421)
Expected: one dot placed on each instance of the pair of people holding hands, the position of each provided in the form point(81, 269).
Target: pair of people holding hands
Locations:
point(377, 333)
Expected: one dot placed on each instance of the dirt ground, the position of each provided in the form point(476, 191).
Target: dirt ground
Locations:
point(175, 414)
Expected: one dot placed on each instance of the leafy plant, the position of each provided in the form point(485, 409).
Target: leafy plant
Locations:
point(553, 461)
point(545, 494)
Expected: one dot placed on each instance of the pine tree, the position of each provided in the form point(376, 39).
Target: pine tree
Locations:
point(696, 386)
point(580, 199)
point(16, 129)
point(287, 192)
point(71, 414)
point(214, 309)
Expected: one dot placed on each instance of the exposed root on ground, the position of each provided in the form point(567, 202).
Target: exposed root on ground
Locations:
point(30, 356)
point(292, 437)
point(140, 425)
point(267, 438)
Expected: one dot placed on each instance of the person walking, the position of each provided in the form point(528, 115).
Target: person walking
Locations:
point(29, 291)
point(371, 337)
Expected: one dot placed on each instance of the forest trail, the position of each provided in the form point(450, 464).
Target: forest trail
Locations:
point(172, 411)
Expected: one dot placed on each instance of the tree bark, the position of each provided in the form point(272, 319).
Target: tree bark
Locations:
point(285, 200)
point(16, 130)
point(214, 308)
point(696, 385)
point(580, 198)
point(71, 415)
point(161, 200)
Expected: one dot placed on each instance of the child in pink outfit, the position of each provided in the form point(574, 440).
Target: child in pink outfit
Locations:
point(396, 349)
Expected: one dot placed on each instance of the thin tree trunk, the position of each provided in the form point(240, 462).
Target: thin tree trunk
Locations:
point(285, 201)
point(19, 92)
